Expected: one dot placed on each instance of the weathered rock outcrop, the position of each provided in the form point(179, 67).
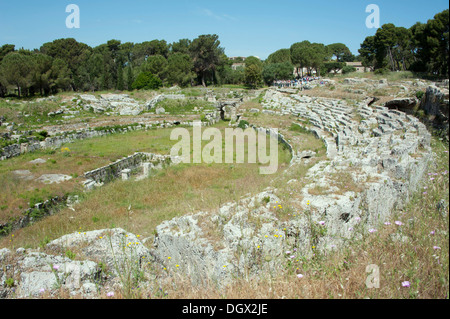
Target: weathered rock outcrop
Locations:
point(435, 104)
point(104, 256)
point(120, 103)
point(375, 161)
point(402, 104)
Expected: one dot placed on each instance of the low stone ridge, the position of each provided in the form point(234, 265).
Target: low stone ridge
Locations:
point(120, 103)
point(112, 171)
point(106, 255)
point(32, 214)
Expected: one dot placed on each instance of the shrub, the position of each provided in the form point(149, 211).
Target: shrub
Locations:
point(243, 124)
point(9, 282)
point(419, 95)
point(146, 81)
point(348, 69)
point(42, 135)
point(381, 71)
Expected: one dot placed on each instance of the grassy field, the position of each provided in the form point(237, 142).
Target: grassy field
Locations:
point(74, 160)
point(174, 191)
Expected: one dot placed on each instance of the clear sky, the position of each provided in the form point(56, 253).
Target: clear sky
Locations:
point(245, 27)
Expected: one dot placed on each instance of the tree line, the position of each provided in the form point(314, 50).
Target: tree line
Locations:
point(423, 48)
point(69, 65)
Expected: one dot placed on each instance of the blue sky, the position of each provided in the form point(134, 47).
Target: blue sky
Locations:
point(245, 27)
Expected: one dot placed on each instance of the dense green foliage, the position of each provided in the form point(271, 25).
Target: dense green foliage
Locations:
point(146, 80)
point(69, 65)
point(421, 48)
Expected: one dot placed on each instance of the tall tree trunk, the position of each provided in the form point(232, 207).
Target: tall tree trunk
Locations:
point(203, 79)
point(391, 59)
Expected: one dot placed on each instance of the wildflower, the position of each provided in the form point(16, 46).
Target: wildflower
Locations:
point(405, 284)
point(110, 294)
point(55, 267)
point(387, 223)
point(350, 229)
point(436, 247)
point(288, 252)
point(398, 223)
point(322, 222)
point(169, 257)
point(358, 219)
point(42, 290)
point(299, 276)
point(432, 232)
point(177, 266)
point(424, 193)
point(372, 230)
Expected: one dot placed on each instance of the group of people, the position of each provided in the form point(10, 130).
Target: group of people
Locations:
point(295, 83)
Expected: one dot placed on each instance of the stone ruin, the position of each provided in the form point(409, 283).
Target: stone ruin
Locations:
point(228, 109)
point(384, 149)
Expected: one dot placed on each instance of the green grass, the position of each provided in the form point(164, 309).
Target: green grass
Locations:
point(175, 107)
point(200, 186)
